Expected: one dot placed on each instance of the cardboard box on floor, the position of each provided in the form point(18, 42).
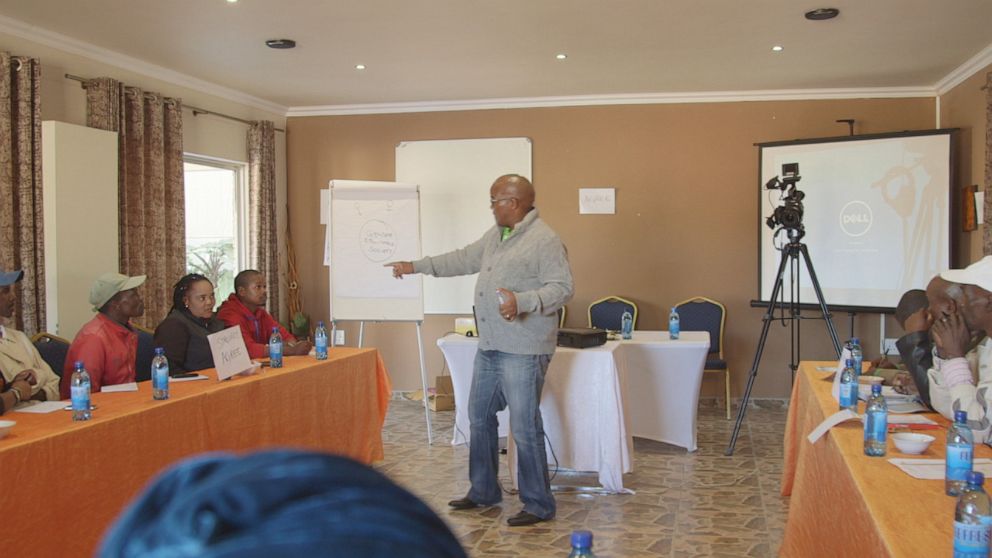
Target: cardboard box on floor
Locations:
point(443, 398)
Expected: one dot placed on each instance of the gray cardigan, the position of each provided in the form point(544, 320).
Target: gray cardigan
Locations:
point(533, 264)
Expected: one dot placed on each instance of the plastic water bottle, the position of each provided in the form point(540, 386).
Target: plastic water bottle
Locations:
point(320, 341)
point(857, 356)
point(160, 375)
point(848, 388)
point(275, 348)
point(581, 545)
point(876, 423)
point(673, 324)
point(79, 386)
point(626, 325)
point(960, 450)
point(972, 519)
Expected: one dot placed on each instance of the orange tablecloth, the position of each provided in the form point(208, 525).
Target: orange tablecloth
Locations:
point(844, 503)
point(64, 482)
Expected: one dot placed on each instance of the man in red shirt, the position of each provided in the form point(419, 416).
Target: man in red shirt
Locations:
point(107, 345)
point(245, 308)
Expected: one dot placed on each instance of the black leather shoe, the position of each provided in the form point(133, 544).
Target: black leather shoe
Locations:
point(464, 504)
point(524, 518)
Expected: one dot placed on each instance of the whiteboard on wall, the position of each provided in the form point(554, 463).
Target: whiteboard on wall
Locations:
point(454, 178)
point(372, 224)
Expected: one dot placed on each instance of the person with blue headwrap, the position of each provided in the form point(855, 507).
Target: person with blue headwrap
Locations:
point(277, 503)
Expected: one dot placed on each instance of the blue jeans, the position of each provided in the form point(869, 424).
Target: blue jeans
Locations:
point(502, 379)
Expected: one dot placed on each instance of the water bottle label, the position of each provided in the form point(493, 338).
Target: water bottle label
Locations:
point(876, 425)
point(959, 459)
point(160, 377)
point(973, 540)
point(848, 395)
point(80, 398)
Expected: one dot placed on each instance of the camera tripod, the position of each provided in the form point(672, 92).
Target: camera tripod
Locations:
point(790, 255)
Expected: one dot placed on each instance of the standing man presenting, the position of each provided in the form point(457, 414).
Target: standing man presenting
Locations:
point(524, 278)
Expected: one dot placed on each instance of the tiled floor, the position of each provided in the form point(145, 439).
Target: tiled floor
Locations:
point(698, 504)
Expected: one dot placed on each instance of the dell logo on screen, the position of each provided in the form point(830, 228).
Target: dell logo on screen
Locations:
point(855, 218)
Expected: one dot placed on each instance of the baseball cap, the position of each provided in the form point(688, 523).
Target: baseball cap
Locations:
point(978, 273)
point(109, 284)
point(10, 277)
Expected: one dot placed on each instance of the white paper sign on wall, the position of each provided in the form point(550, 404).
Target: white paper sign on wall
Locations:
point(597, 201)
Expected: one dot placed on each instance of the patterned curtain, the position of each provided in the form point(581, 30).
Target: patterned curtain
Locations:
point(263, 244)
point(152, 206)
point(987, 229)
point(22, 240)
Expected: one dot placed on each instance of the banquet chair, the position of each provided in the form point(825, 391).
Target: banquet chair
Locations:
point(53, 350)
point(145, 354)
point(606, 313)
point(705, 314)
point(561, 316)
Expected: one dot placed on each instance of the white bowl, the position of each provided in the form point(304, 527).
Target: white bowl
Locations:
point(911, 442)
point(5, 426)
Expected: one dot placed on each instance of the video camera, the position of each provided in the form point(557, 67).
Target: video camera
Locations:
point(789, 215)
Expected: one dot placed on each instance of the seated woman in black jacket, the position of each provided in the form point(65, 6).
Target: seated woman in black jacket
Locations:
point(183, 333)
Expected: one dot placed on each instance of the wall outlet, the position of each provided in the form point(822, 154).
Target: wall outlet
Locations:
point(889, 348)
point(339, 337)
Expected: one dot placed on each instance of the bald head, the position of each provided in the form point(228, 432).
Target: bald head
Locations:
point(511, 198)
point(516, 186)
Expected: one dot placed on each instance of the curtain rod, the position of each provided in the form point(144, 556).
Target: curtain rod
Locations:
point(196, 110)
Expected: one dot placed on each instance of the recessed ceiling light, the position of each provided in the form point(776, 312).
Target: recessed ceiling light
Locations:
point(359, 66)
point(232, 1)
point(280, 43)
point(778, 48)
point(561, 56)
point(821, 14)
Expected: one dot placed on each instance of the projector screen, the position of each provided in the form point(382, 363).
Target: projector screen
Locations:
point(877, 216)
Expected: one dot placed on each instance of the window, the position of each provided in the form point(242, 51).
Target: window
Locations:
point(216, 219)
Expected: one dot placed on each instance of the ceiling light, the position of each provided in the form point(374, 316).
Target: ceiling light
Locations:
point(232, 1)
point(778, 48)
point(359, 66)
point(280, 43)
point(561, 56)
point(821, 14)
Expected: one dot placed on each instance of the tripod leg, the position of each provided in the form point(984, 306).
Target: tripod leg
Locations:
point(819, 297)
point(769, 316)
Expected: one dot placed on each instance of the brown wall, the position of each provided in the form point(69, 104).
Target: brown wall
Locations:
point(686, 221)
point(964, 107)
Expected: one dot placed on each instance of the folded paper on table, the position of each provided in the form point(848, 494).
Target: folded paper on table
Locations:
point(230, 353)
point(189, 378)
point(130, 386)
point(40, 407)
point(835, 390)
point(894, 420)
point(933, 469)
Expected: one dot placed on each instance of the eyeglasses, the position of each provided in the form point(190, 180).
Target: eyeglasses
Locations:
point(494, 201)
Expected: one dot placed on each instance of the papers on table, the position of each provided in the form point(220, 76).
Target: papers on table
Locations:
point(40, 407)
point(132, 386)
point(894, 420)
point(830, 422)
point(189, 378)
point(933, 469)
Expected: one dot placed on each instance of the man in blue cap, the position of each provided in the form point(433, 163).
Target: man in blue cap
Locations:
point(17, 353)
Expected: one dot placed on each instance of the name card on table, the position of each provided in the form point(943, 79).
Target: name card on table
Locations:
point(230, 353)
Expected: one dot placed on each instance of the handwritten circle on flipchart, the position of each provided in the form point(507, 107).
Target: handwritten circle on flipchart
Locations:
point(378, 240)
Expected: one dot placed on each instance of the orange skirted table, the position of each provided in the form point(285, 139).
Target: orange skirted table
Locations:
point(64, 482)
point(844, 503)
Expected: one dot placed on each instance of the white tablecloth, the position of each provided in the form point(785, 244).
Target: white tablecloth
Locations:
point(596, 399)
point(581, 405)
point(663, 381)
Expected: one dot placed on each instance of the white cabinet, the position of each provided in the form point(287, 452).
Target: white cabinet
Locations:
point(79, 175)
